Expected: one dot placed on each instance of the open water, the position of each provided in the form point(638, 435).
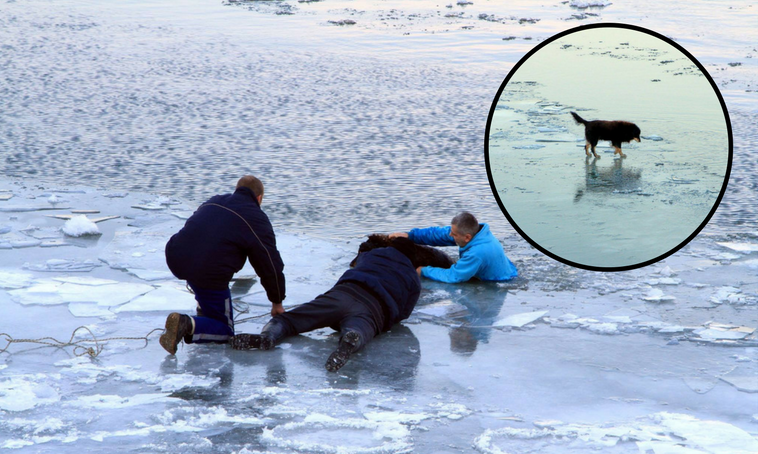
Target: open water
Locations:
point(372, 126)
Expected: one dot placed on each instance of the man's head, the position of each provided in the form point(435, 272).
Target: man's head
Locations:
point(463, 227)
point(254, 184)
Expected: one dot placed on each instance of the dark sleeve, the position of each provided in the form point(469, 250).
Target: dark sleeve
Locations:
point(267, 263)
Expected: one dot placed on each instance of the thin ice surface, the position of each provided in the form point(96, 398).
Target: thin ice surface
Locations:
point(341, 119)
point(561, 358)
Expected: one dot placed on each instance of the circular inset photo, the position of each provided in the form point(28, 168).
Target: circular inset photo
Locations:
point(608, 147)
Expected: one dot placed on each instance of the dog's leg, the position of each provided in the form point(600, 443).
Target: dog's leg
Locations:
point(593, 152)
point(586, 149)
point(618, 151)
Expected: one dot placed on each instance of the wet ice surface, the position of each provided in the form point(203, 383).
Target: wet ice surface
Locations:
point(358, 123)
point(642, 361)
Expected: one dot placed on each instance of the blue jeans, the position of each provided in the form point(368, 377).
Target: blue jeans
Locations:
point(215, 319)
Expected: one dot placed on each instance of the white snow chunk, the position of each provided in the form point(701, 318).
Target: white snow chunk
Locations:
point(603, 328)
point(80, 226)
point(54, 200)
point(666, 271)
point(728, 295)
point(20, 394)
point(519, 320)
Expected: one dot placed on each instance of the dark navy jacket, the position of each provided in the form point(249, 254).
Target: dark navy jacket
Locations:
point(214, 243)
point(391, 276)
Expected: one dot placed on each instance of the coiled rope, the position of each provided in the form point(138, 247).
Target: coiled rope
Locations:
point(79, 348)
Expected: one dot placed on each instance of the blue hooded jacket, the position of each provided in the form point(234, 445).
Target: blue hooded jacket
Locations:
point(391, 276)
point(482, 258)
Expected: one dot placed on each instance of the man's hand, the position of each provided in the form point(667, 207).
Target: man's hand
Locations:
point(276, 309)
point(398, 235)
point(418, 270)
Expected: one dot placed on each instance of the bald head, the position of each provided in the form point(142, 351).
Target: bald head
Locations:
point(252, 183)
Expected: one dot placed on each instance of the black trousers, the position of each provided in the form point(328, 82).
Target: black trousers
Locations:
point(345, 307)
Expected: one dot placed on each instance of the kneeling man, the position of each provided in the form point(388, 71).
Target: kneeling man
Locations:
point(381, 290)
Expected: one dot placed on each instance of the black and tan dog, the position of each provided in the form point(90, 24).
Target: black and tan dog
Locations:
point(615, 131)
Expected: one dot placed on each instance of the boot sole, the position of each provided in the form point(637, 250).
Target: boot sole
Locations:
point(170, 339)
point(339, 357)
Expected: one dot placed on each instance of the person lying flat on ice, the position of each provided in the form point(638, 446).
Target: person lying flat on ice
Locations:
point(382, 289)
point(481, 254)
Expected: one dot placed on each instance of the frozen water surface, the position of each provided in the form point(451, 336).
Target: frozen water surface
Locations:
point(356, 129)
point(557, 358)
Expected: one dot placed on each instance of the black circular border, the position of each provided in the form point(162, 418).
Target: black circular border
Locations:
point(487, 143)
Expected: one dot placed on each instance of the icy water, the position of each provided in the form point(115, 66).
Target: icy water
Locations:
point(144, 109)
point(614, 212)
point(353, 127)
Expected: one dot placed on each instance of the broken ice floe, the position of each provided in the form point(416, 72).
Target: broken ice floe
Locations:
point(64, 265)
point(24, 209)
point(742, 380)
point(732, 295)
point(520, 320)
point(657, 296)
point(10, 279)
point(719, 331)
point(658, 433)
point(745, 248)
point(664, 281)
point(166, 298)
point(51, 292)
point(584, 4)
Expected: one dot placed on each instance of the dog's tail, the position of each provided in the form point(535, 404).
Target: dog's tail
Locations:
point(578, 119)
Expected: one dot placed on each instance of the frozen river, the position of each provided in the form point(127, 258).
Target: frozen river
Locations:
point(144, 109)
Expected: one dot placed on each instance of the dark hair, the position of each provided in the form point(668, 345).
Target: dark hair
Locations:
point(252, 183)
point(466, 223)
point(418, 255)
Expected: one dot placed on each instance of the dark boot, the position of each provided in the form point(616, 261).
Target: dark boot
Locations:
point(246, 341)
point(177, 327)
point(272, 333)
point(349, 343)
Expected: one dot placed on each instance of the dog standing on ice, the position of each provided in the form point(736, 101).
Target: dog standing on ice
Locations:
point(615, 131)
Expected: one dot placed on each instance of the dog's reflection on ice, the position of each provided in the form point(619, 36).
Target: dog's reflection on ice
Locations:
point(608, 179)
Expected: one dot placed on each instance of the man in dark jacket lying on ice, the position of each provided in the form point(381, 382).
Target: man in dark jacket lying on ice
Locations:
point(381, 290)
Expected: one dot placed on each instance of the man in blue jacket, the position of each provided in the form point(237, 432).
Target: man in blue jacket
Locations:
point(382, 289)
point(213, 245)
point(481, 254)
